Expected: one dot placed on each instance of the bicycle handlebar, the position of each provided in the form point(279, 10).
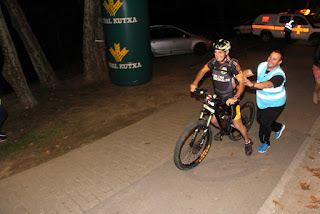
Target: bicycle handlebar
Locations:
point(204, 93)
point(211, 99)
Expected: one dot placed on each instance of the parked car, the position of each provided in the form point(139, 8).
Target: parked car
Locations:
point(245, 28)
point(269, 26)
point(170, 40)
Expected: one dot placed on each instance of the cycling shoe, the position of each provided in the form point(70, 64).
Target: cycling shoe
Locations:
point(248, 148)
point(218, 136)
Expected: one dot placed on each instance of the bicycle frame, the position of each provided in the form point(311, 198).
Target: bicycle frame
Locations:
point(195, 141)
point(216, 108)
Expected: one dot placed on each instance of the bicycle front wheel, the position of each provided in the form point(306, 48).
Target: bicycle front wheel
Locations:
point(247, 111)
point(193, 145)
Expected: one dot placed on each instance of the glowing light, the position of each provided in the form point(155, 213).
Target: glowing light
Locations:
point(265, 19)
point(305, 12)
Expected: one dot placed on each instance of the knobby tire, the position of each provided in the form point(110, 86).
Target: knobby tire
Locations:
point(189, 151)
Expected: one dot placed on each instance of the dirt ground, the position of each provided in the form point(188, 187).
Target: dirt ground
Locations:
point(78, 115)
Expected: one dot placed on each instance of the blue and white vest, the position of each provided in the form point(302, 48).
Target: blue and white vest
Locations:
point(274, 96)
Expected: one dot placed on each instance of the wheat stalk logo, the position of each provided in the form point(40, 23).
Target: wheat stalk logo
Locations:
point(112, 7)
point(117, 54)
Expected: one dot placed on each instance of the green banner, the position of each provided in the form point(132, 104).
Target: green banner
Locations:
point(126, 28)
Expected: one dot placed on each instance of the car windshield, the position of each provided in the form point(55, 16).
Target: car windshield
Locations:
point(314, 20)
point(298, 20)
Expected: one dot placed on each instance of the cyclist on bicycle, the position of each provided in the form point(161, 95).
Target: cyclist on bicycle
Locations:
point(228, 84)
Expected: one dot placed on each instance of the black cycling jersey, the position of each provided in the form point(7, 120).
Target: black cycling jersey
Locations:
point(224, 84)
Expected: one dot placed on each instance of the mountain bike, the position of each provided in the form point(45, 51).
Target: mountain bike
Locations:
point(195, 142)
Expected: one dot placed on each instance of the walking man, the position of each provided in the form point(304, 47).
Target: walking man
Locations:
point(287, 31)
point(270, 96)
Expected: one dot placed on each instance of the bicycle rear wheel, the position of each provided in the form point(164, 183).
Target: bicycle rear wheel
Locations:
point(193, 145)
point(247, 110)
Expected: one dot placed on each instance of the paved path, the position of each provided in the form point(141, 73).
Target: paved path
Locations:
point(80, 180)
point(86, 179)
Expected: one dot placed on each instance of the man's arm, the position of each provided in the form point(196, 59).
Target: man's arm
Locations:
point(241, 88)
point(275, 81)
point(199, 76)
point(260, 85)
point(247, 73)
point(233, 100)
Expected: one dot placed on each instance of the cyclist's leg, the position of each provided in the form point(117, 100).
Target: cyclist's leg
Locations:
point(218, 135)
point(214, 121)
point(237, 122)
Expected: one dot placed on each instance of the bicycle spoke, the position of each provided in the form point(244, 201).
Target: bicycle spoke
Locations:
point(193, 145)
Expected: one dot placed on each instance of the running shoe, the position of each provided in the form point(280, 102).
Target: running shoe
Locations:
point(263, 147)
point(279, 133)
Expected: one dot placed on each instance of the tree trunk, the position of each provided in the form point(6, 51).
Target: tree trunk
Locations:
point(94, 55)
point(12, 70)
point(39, 61)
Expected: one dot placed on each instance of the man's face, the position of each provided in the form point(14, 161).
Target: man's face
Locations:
point(274, 60)
point(220, 54)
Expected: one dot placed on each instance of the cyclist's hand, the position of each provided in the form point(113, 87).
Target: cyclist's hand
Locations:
point(193, 87)
point(231, 101)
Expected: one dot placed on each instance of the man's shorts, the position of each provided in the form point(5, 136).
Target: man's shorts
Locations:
point(235, 112)
point(316, 72)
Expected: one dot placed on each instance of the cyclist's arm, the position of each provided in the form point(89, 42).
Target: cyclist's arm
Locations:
point(241, 88)
point(233, 100)
point(199, 76)
point(239, 76)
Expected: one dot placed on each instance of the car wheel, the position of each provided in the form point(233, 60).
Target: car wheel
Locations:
point(266, 36)
point(199, 49)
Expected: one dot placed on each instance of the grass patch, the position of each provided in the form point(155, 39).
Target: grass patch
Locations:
point(30, 139)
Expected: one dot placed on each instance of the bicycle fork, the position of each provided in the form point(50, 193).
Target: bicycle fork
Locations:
point(196, 131)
